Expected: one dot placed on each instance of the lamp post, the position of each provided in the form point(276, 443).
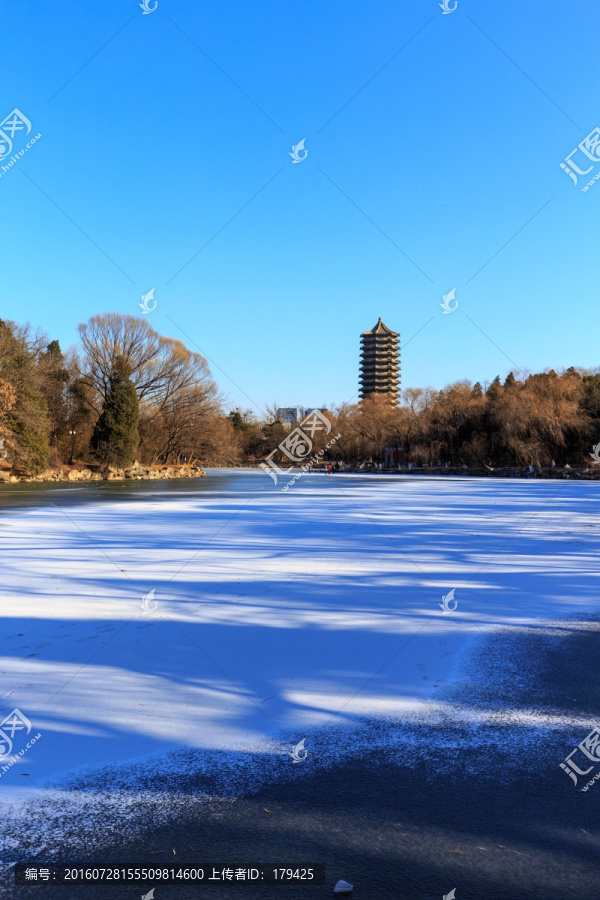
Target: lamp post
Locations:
point(72, 432)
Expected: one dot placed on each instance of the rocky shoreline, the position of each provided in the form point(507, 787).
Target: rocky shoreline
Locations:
point(138, 472)
point(94, 472)
point(555, 472)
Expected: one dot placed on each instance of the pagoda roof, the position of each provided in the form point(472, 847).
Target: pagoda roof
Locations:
point(382, 329)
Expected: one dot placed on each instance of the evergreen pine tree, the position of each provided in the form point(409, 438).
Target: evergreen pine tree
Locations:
point(115, 438)
point(495, 389)
point(27, 420)
point(237, 421)
point(55, 376)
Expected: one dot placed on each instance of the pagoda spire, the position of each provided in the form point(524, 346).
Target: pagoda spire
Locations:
point(380, 362)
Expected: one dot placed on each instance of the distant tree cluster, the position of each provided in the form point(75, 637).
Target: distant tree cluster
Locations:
point(125, 394)
point(530, 420)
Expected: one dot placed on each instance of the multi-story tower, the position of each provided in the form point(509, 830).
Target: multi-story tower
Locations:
point(380, 362)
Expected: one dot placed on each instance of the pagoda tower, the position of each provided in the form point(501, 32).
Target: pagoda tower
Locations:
point(380, 362)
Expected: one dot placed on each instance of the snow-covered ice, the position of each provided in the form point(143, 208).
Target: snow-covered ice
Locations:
point(279, 616)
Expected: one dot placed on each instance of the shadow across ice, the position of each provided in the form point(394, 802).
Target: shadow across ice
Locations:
point(402, 812)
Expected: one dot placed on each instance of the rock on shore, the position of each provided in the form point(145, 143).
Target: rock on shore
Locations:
point(104, 473)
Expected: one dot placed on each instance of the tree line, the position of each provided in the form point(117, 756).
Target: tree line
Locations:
point(128, 393)
point(528, 420)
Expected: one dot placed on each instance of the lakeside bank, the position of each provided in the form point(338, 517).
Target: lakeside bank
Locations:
point(96, 472)
point(584, 473)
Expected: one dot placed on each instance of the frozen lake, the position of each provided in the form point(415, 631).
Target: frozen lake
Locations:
point(274, 615)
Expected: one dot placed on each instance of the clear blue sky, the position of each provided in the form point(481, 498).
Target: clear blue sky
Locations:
point(445, 142)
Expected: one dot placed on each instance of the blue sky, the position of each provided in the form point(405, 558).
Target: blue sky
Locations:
point(434, 144)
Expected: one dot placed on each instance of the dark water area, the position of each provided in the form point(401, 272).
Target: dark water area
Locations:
point(224, 481)
point(26, 496)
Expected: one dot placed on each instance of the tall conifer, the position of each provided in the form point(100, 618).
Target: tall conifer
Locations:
point(116, 438)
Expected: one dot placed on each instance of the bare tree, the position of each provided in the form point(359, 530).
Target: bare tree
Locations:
point(160, 366)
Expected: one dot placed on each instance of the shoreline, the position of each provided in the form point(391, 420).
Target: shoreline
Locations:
point(94, 472)
point(556, 472)
point(87, 472)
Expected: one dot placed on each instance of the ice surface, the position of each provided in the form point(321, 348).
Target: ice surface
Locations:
point(277, 614)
